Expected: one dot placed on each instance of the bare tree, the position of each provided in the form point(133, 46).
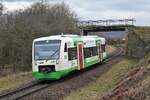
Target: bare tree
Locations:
point(1, 8)
point(19, 28)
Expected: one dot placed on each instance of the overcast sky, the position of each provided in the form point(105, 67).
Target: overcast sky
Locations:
point(97, 9)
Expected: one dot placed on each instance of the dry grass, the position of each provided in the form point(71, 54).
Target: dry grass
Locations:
point(12, 81)
point(105, 83)
point(135, 86)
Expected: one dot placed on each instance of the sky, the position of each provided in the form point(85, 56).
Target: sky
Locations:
point(97, 9)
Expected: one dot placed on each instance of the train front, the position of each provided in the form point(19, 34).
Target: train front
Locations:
point(45, 59)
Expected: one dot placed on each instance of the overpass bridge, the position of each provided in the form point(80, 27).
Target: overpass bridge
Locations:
point(104, 25)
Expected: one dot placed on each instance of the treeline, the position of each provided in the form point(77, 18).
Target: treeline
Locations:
point(19, 28)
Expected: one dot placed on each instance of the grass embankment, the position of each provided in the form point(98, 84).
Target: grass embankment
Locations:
point(105, 83)
point(12, 81)
point(135, 86)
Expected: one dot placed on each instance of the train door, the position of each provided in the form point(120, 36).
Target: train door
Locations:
point(80, 55)
point(100, 53)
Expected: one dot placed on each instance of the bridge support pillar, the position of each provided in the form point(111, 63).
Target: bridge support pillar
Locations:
point(81, 31)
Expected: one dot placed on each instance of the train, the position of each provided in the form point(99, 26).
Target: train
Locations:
point(54, 57)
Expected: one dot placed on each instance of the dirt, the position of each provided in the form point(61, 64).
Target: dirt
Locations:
point(72, 82)
point(136, 86)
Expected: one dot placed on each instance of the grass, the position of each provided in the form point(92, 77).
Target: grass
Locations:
point(104, 83)
point(12, 81)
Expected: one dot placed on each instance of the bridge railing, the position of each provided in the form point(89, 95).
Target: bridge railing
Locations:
point(109, 22)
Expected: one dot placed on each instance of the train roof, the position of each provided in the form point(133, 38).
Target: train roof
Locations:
point(65, 37)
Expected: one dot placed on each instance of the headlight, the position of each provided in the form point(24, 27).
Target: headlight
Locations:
point(57, 61)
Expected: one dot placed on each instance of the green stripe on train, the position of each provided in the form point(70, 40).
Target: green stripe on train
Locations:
point(88, 64)
point(77, 40)
point(52, 75)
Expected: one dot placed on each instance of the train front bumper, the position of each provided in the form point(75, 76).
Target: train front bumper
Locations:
point(52, 75)
point(46, 76)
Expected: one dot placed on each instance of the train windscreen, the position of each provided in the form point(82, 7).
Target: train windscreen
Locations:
point(47, 50)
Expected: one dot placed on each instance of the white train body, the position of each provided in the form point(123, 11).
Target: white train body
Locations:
point(56, 56)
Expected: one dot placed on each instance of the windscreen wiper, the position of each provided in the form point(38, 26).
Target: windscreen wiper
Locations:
point(52, 55)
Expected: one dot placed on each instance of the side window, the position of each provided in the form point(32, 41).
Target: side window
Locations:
point(72, 53)
point(103, 48)
point(65, 48)
point(87, 52)
point(91, 51)
point(94, 51)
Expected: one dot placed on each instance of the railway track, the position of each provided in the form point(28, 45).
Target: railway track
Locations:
point(37, 86)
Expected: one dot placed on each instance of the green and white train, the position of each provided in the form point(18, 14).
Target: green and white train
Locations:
point(55, 56)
